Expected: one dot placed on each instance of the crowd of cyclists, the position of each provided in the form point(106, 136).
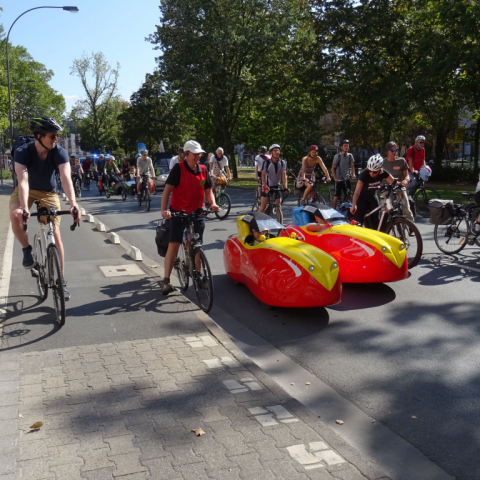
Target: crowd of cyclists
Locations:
point(37, 163)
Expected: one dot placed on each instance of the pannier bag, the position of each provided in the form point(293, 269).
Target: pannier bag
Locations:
point(441, 211)
point(162, 236)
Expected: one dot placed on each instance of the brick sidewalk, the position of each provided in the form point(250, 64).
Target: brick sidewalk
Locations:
point(127, 411)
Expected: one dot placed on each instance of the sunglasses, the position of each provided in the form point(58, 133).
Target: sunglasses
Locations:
point(53, 136)
point(374, 173)
point(421, 143)
point(394, 149)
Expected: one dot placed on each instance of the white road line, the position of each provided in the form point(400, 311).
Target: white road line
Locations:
point(6, 274)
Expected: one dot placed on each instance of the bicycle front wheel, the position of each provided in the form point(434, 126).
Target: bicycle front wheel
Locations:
point(224, 204)
point(181, 266)
point(203, 281)
point(422, 198)
point(452, 238)
point(148, 199)
point(57, 284)
point(41, 279)
point(408, 233)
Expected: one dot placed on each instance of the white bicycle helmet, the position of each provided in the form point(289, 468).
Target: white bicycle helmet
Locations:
point(425, 173)
point(375, 163)
point(275, 145)
point(420, 137)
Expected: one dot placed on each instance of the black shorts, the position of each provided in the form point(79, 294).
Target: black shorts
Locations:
point(274, 191)
point(477, 197)
point(177, 226)
point(343, 185)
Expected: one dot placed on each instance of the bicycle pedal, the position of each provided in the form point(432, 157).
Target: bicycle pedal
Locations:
point(34, 273)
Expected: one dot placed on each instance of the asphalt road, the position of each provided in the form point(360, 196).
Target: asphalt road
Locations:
point(405, 353)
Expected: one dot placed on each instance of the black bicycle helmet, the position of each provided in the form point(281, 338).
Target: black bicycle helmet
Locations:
point(43, 124)
point(262, 149)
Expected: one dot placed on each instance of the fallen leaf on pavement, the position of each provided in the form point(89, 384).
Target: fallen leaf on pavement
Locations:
point(20, 415)
point(198, 432)
point(153, 266)
point(374, 461)
point(36, 425)
point(340, 422)
point(308, 383)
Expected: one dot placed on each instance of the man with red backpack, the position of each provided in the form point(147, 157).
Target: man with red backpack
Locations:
point(416, 160)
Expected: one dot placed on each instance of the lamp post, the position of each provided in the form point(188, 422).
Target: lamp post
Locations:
point(68, 9)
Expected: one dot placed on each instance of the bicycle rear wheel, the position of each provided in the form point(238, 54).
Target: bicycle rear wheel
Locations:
point(124, 193)
point(78, 189)
point(181, 266)
point(421, 199)
point(203, 282)
point(452, 238)
point(224, 204)
point(41, 279)
point(56, 283)
point(408, 233)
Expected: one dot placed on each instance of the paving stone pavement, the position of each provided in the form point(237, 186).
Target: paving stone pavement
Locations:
point(127, 410)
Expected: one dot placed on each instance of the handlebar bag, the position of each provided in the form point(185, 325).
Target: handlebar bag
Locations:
point(441, 211)
point(162, 237)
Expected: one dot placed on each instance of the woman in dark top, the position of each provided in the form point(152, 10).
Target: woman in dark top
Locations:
point(364, 198)
point(125, 169)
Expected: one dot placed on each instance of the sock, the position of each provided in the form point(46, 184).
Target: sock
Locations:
point(166, 280)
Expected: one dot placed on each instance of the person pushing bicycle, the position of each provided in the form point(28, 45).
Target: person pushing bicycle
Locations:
point(35, 165)
point(187, 182)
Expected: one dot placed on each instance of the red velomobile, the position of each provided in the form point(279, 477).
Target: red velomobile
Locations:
point(278, 270)
point(364, 255)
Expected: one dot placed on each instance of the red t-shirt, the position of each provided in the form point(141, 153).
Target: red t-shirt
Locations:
point(188, 194)
point(86, 165)
point(418, 157)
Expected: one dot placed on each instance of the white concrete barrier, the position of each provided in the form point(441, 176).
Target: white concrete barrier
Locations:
point(90, 219)
point(83, 211)
point(134, 253)
point(100, 227)
point(114, 238)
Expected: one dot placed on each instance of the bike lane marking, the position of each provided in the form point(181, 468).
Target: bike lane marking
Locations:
point(6, 274)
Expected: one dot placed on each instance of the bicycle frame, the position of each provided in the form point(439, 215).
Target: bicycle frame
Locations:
point(46, 237)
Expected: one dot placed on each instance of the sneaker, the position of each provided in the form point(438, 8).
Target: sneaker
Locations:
point(67, 293)
point(27, 258)
point(476, 229)
point(167, 288)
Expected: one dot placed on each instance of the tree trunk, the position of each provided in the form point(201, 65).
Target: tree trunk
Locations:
point(441, 138)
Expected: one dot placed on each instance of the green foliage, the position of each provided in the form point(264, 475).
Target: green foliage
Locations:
point(454, 173)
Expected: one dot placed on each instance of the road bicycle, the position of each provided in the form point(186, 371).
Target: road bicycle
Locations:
point(145, 194)
point(313, 196)
point(422, 196)
point(459, 232)
point(191, 261)
point(272, 209)
point(47, 268)
point(393, 222)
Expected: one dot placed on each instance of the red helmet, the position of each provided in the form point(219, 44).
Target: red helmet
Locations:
point(312, 147)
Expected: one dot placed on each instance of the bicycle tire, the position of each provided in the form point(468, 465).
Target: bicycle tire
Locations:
point(319, 199)
point(41, 279)
point(421, 199)
point(451, 238)
point(107, 194)
point(148, 199)
point(57, 284)
point(224, 205)
point(181, 267)
point(204, 285)
point(124, 193)
point(401, 228)
point(140, 198)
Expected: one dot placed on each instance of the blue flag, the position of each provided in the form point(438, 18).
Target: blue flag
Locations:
point(141, 146)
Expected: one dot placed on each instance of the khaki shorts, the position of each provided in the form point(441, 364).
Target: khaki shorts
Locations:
point(47, 199)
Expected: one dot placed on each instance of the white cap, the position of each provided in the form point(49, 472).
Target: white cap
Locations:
point(112, 157)
point(193, 146)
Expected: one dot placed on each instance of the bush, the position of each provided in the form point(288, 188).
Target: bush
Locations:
point(453, 173)
point(6, 174)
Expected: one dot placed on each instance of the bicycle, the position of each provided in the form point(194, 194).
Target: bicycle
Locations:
point(393, 222)
point(144, 195)
point(347, 193)
point(272, 207)
point(88, 179)
point(223, 202)
point(191, 261)
point(77, 186)
point(47, 267)
point(422, 196)
point(258, 196)
point(456, 235)
point(313, 196)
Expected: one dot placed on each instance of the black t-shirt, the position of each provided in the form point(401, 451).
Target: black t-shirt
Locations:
point(370, 184)
point(173, 178)
point(41, 173)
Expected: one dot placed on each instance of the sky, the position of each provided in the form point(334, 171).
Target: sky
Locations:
point(56, 37)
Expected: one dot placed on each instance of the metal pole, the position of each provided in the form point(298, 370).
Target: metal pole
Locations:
point(1, 161)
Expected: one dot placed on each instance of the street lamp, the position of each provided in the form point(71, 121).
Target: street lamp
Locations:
point(68, 9)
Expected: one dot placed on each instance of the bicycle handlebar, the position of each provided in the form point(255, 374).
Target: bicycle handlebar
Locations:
point(196, 213)
point(44, 212)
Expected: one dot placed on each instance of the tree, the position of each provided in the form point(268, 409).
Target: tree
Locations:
point(99, 96)
point(222, 55)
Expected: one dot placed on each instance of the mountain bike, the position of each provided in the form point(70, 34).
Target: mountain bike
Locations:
point(47, 267)
point(393, 222)
point(456, 235)
point(145, 194)
point(422, 196)
point(191, 261)
point(313, 196)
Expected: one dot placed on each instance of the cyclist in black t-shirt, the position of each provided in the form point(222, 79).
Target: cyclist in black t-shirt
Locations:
point(364, 198)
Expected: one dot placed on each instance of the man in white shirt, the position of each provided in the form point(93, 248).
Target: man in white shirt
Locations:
point(219, 164)
point(179, 158)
